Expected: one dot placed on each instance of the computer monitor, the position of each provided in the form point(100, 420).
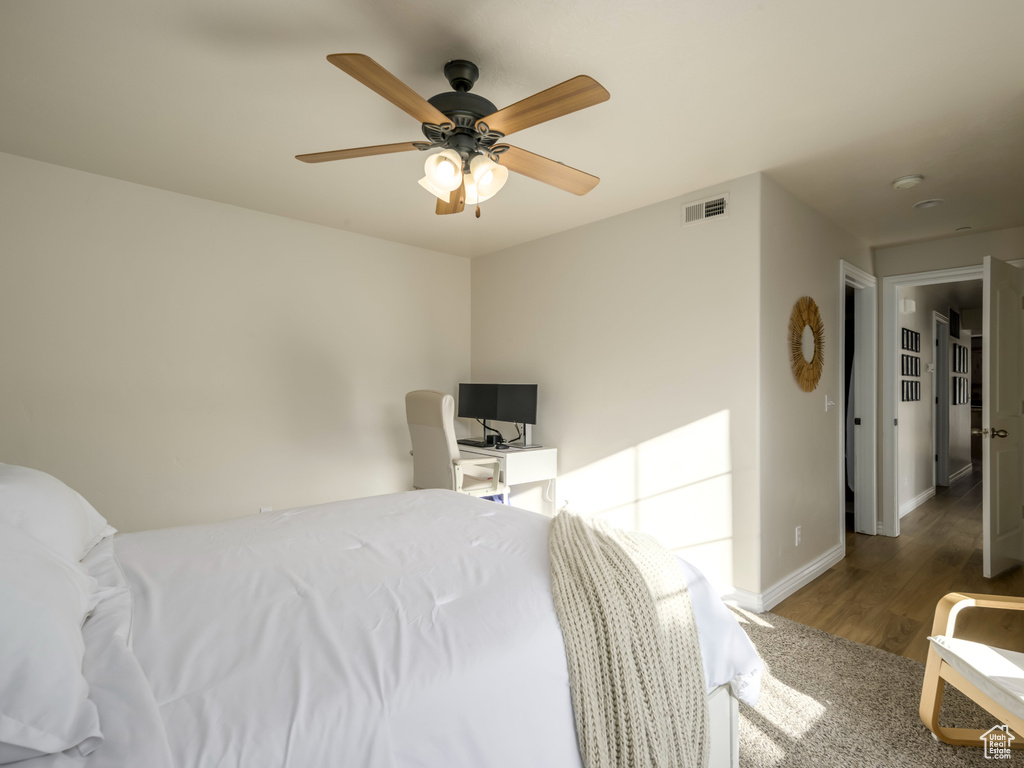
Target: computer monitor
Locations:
point(517, 403)
point(478, 401)
point(497, 402)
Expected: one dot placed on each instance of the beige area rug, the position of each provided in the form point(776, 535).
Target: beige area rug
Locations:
point(827, 701)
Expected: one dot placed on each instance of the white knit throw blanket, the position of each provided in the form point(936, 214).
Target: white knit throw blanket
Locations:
point(635, 667)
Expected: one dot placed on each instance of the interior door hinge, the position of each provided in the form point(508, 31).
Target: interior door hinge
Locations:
point(936, 457)
point(895, 422)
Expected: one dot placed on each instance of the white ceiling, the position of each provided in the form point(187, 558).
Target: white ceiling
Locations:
point(966, 294)
point(832, 99)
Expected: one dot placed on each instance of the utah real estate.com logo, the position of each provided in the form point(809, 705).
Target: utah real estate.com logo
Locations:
point(997, 742)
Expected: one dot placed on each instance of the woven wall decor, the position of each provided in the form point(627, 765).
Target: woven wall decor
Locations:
point(805, 314)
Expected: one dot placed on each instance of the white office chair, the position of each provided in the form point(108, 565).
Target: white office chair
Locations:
point(436, 462)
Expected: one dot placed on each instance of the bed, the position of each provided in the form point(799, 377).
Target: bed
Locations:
point(413, 629)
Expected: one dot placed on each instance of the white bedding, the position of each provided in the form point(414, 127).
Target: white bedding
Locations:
point(413, 629)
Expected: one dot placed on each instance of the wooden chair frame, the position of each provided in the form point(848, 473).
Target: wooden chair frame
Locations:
point(937, 672)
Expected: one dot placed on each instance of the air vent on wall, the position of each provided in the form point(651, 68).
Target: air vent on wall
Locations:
point(708, 208)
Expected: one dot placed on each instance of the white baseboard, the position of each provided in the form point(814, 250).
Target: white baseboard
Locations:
point(964, 471)
point(742, 598)
point(758, 603)
point(909, 506)
point(804, 576)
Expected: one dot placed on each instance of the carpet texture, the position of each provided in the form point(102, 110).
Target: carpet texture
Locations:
point(830, 701)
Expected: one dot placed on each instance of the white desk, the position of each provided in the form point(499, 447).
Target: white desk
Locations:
point(519, 466)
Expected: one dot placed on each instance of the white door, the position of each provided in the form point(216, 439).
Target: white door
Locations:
point(1002, 418)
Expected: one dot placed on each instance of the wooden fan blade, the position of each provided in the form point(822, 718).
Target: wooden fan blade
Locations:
point(345, 154)
point(374, 76)
point(572, 95)
point(456, 202)
point(549, 171)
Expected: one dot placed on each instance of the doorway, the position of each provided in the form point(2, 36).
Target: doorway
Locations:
point(940, 409)
point(858, 309)
point(893, 320)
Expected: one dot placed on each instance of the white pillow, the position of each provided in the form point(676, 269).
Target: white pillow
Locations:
point(49, 511)
point(43, 601)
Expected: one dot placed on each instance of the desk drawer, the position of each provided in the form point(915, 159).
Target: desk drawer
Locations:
point(530, 466)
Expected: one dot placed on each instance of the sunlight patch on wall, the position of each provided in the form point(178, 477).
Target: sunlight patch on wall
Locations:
point(676, 487)
point(684, 456)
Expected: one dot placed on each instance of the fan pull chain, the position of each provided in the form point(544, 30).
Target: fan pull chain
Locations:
point(478, 211)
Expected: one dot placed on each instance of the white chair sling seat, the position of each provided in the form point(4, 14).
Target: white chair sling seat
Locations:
point(996, 672)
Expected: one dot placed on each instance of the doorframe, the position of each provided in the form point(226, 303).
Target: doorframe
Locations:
point(865, 391)
point(890, 517)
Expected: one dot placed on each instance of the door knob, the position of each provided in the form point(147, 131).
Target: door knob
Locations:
point(1000, 433)
point(978, 432)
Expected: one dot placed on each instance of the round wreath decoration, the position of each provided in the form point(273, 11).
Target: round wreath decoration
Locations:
point(805, 314)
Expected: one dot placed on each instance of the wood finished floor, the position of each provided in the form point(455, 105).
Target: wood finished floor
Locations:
point(884, 592)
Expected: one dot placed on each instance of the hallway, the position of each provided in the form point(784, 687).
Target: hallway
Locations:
point(884, 592)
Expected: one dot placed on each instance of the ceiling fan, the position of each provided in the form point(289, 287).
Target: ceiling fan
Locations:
point(471, 166)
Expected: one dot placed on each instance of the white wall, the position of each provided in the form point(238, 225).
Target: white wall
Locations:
point(915, 436)
point(178, 360)
point(915, 479)
point(941, 298)
point(801, 478)
point(662, 357)
point(642, 336)
point(950, 252)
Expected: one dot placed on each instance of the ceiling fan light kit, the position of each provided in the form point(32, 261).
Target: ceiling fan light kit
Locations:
point(471, 166)
point(488, 176)
point(436, 191)
point(473, 196)
point(473, 193)
point(444, 169)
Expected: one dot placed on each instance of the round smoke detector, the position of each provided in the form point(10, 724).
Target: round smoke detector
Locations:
point(906, 182)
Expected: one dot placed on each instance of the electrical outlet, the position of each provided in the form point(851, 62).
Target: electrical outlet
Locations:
point(266, 509)
point(797, 536)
